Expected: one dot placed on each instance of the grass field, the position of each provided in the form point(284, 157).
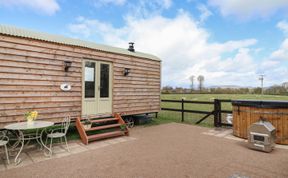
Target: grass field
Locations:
point(170, 116)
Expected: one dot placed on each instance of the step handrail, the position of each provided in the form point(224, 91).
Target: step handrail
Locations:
point(122, 122)
point(81, 131)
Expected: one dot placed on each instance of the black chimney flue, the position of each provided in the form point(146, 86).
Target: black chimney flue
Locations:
point(131, 47)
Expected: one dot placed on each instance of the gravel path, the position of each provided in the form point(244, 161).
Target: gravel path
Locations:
point(168, 150)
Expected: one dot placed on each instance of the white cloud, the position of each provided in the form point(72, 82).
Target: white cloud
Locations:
point(167, 3)
point(185, 49)
point(204, 13)
point(181, 44)
point(282, 52)
point(246, 9)
point(283, 25)
point(109, 2)
point(48, 7)
point(148, 8)
point(101, 31)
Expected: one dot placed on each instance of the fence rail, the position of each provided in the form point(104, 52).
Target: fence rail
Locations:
point(216, 112)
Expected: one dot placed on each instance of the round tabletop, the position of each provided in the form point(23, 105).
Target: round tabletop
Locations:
point(27, 126)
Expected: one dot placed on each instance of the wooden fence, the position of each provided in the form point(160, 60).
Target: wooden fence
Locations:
point(216, 112)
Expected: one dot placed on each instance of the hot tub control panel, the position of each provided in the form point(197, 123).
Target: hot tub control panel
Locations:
point(261, 136)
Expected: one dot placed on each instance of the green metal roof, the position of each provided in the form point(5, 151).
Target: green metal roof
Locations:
point(24, 33)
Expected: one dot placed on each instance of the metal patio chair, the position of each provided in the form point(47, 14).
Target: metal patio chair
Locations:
point(3, 143)
point(59, 133)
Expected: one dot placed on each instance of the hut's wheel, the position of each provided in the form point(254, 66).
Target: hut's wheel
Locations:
point(129, 122)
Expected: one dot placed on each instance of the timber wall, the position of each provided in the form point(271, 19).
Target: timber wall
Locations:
point(31, 72)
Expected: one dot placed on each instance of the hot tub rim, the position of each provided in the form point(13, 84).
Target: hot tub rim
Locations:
point(273, 104)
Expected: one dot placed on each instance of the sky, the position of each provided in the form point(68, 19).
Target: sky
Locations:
point(228, 42)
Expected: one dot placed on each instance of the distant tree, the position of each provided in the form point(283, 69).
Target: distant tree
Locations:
point(179, 90)
point(257, 90)
point(285, 85)
point(167, 89)
point(192, 82)
point(276, 90)
point(200, 79)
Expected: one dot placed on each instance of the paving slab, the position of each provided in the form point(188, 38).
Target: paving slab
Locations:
point(37, 156)
point(25, 161)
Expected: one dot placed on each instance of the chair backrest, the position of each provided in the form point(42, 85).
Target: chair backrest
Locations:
point(66, 123)
point(3, 136)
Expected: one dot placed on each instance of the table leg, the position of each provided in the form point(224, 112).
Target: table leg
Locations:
point(17, 160)
point(44, 146)
point(38, 138)
point(17, 141)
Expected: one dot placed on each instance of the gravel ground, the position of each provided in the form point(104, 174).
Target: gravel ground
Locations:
point(168, 150)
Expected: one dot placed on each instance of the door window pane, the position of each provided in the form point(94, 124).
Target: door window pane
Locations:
point(89, 79)
point(104, 80)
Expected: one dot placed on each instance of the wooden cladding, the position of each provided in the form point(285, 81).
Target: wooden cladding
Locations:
point(244, 116)
point(31, 72)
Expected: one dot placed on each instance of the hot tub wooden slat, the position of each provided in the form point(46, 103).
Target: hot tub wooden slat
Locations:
point(244, 116)
point(285, 129)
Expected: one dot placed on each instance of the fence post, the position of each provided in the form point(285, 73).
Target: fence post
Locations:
point(217, 108)
point(219, 114)
point(182, 110)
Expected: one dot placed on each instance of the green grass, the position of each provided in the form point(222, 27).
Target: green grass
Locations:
point(171, 116)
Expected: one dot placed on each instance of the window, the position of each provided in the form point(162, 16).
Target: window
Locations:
point(89, 79)
point(104, 80)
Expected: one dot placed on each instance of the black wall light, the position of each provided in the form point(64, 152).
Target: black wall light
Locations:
point(126, 71)
point(67, 65)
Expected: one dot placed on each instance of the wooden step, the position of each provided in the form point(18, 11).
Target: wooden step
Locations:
point(105, 135)
point(104, 120)
point(118, 121)
point(104, 127)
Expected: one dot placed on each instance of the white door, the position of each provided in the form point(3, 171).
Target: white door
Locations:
point(97, 88)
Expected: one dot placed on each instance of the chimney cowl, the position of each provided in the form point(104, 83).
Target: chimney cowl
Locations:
point(131, 47)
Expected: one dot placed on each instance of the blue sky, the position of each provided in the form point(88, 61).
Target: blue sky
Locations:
point(229, 42)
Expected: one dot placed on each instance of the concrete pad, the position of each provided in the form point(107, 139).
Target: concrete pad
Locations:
point(38, 156)
point(77, 148)
point(60, 151)
point(95, 145)
point(212, 131)
point(74, 144)
point(32, 154)
point(3, 164)
point(224, 133)
point(231, 137)
point(208, 133)
point(130, 138)
point(281, 146)
point(121, 139)
point(111, 141)
point(25, 160)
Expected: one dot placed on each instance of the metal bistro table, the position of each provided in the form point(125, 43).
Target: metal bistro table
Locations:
point(20, 127)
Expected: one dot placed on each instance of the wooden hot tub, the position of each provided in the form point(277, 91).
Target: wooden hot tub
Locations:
point(246, 112)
